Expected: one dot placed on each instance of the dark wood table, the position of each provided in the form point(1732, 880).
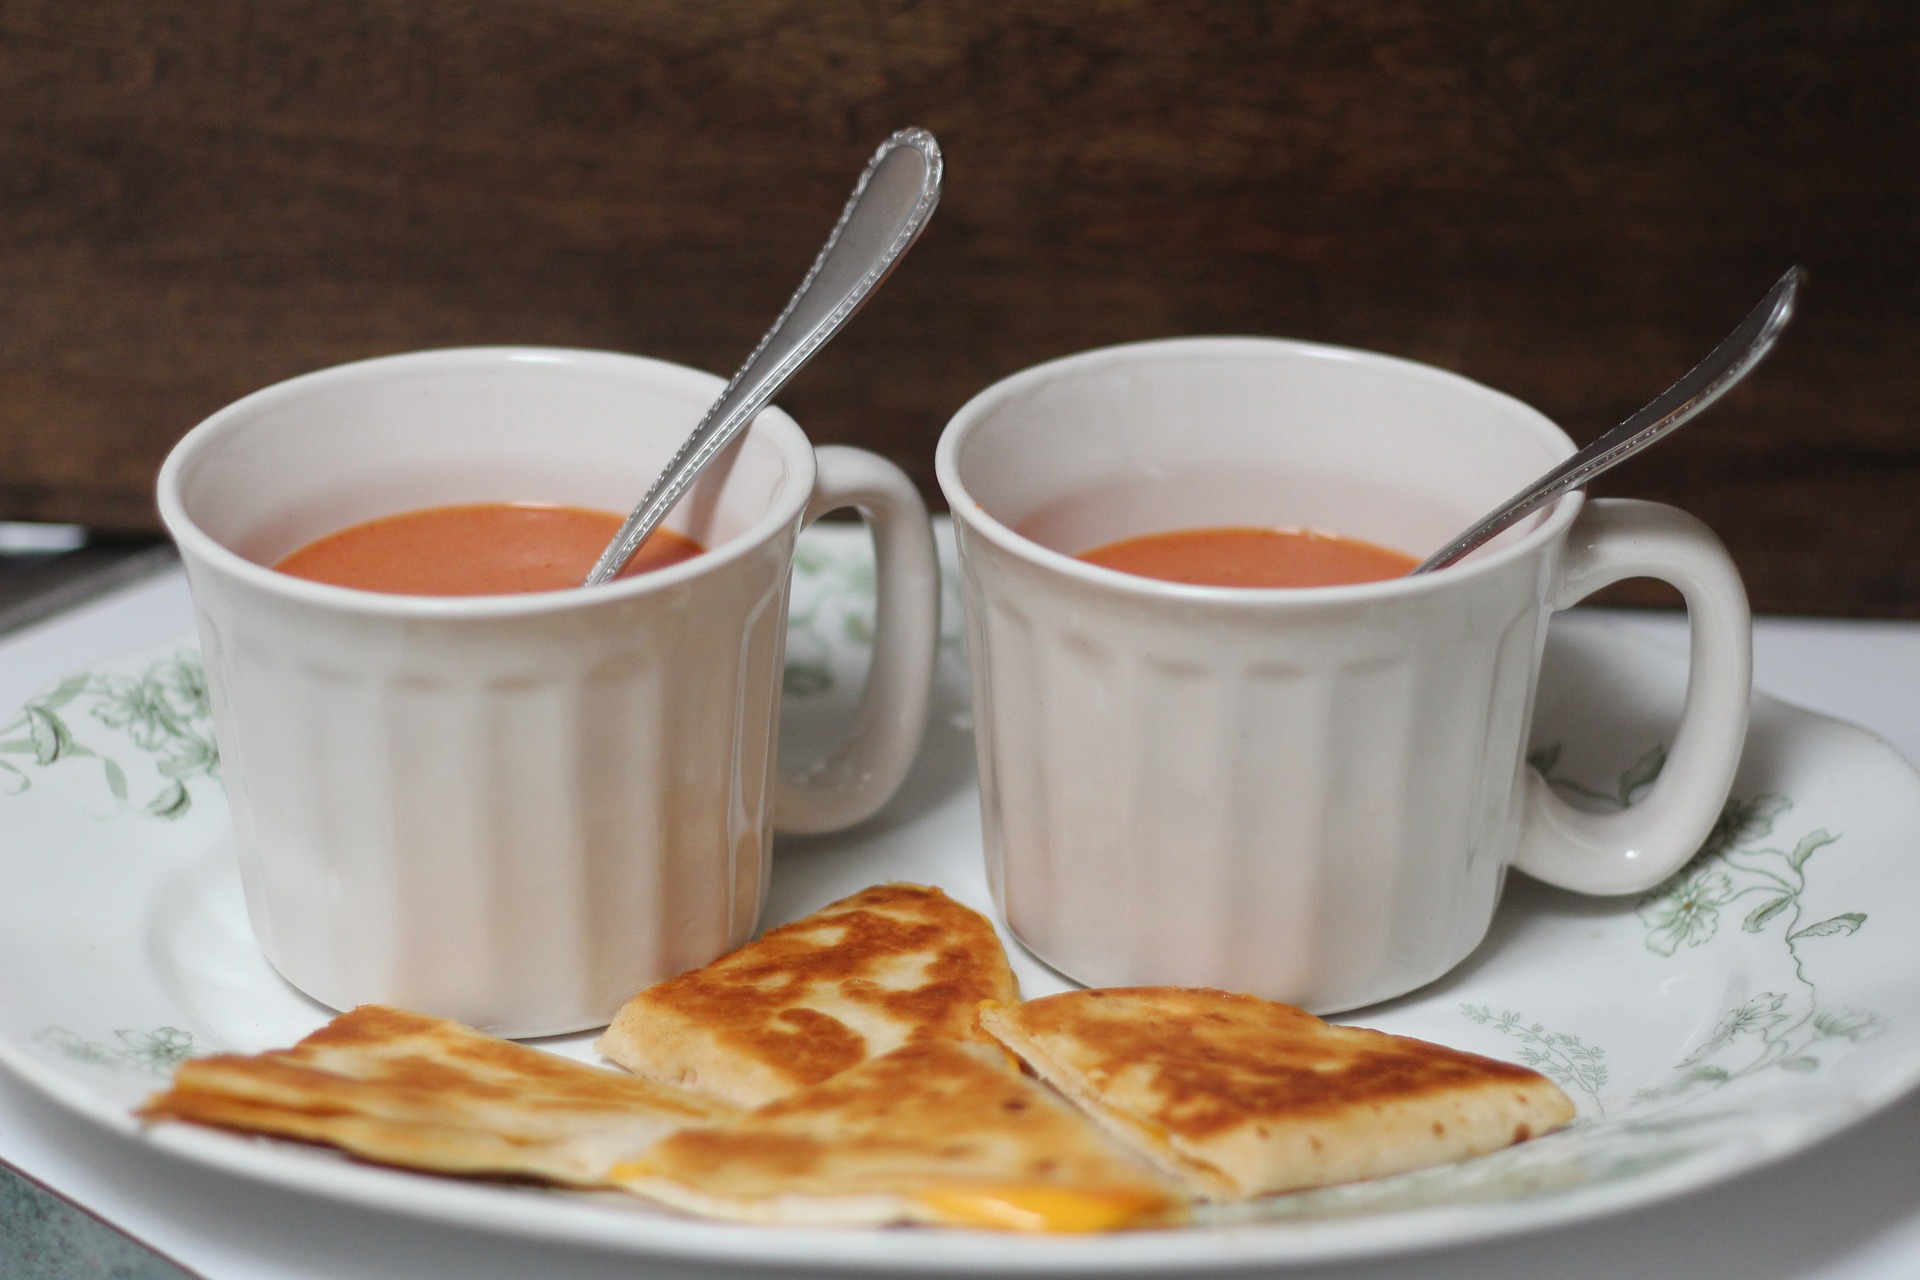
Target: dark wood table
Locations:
point(1569, 202)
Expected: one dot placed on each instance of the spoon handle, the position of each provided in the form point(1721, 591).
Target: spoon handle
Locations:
point(1712, 378)
point(885, 214)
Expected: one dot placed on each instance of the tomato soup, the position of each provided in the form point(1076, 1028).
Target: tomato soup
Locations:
point(480, 549)
point(1242, 557)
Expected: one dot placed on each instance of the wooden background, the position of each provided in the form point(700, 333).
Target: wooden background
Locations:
point(1569, 201)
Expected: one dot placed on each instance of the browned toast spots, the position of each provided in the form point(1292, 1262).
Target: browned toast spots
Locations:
point(941, 1131)
point(425, 1093)
point(891, 965)
point(1239, 1096)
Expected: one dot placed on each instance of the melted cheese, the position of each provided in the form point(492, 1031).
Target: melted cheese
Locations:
point(1044, 1208)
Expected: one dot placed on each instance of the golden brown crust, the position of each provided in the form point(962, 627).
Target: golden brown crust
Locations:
point(1243, 1096)
point(425, 1093)
point(904, 1137)
point(892, 965)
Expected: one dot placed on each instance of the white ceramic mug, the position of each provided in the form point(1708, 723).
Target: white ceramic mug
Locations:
point(519, 810)
point(1311, 795)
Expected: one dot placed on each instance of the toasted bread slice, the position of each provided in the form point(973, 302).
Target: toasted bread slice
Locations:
point(891, 965)
point(424, 1093)
point(942, 1131)
point(1238, 1096)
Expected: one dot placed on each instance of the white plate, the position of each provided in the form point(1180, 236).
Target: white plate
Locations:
point(1763, 1000)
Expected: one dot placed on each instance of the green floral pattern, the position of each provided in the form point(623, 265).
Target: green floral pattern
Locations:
point(1570, 1062)
point(1632, 784)
point(1742, 872)
point(1733, 865)
point(155, 1052)
point(831, 605)
point(164, 713)
point(1742, 866)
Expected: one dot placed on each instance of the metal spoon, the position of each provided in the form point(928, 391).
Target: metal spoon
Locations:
point(1712, 378)
point(885, 214)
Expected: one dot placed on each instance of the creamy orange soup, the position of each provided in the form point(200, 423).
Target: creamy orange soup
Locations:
point(1243, 557)
point(480, 549)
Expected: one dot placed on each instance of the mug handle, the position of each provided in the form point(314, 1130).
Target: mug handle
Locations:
point(1637, 848)
point(869, 764)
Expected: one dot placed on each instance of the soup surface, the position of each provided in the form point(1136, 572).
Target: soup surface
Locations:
point(1244, 557)
point(480, 549)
